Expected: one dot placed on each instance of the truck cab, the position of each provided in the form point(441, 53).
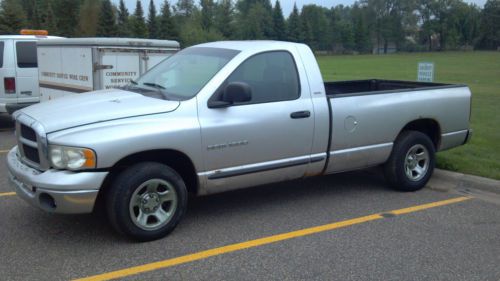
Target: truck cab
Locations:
point(19, 70)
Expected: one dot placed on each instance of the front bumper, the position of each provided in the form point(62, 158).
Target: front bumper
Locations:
point(55, 191)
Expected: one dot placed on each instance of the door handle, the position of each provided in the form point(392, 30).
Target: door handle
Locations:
point(300, 114)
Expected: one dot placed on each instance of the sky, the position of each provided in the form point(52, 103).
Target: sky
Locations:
point(287, 5)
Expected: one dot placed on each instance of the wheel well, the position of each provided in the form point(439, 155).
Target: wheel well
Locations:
point(430, 127)
point(178, 161)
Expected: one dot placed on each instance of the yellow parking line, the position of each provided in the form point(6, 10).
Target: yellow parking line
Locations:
point(7, 194)
point(262, 241)
point(4, 151)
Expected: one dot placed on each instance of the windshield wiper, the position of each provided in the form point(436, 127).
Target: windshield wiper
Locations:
point(154, 85)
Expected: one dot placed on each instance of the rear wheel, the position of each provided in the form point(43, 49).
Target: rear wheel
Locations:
point(146, 201)
point(411, 163)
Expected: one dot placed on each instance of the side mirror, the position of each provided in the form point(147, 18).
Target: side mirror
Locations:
point(233, 92)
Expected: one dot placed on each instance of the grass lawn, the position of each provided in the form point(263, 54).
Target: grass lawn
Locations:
point(479, 70)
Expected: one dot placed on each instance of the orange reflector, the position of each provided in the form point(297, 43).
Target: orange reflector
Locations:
point(90, 156)
point(34, 32)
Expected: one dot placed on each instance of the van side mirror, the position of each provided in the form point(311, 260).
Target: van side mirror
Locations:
point(233, 92)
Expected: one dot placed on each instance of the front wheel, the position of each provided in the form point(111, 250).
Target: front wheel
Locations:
point(146, 201)
point(411, 163)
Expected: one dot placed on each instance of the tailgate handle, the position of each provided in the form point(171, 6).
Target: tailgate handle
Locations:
point(300, 114)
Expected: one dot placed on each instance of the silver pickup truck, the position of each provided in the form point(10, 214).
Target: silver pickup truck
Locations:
point(223, 116)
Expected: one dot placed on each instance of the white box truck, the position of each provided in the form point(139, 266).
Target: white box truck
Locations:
point(78, 65)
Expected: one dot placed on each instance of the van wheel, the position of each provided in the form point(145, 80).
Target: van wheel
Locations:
point(146, 201)
point(411, 163)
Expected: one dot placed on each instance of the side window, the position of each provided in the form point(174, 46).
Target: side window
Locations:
point(272, 76)
point(26, 54)
point(1, 53)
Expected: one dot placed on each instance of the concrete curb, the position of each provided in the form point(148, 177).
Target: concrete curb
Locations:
point(446, 180)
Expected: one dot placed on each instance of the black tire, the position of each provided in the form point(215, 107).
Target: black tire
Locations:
point(126, 185)
point(396, 172)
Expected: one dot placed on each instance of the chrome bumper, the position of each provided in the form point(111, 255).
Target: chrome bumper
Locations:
point(54, 191)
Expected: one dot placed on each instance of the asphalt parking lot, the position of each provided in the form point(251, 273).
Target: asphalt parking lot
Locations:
point(341, 227)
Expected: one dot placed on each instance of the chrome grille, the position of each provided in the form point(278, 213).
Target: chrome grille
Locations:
point(32, 142)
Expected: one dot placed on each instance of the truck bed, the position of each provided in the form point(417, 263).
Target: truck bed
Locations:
point(377, 86)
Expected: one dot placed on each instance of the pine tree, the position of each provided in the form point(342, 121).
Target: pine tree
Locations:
point(138, 26)
point(12, 17)
point(36, 15)
point(66, 16)
point(106, 26)
point(123, 23)
point(185, 8)
point(167, 28)
point(279, 28)
point(207, 14)
point(152, 21)
point(48, 19)
point(294, 26)
point(224, 18)
point(361, 35)
point(89, 15)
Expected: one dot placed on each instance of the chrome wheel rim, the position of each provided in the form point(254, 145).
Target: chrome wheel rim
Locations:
point(416, 162)
point(153, 204)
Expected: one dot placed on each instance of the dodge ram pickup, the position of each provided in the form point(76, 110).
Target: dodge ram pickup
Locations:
point(222, 116)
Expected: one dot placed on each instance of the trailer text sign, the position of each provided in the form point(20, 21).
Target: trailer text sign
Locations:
point(425, 72)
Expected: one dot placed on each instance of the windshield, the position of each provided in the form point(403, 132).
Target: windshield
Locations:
point(183, 75)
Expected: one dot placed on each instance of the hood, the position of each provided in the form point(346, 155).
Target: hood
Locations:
point(92, 107)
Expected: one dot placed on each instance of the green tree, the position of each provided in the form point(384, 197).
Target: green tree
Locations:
point(257, 24)
point(361, 32)
point(167, 28)
point(185, 8)
point(152, 22)
point(347, 36)
point(137, 23)
point(224, 18)
point(490, 25)
point(12, 17)
point(89, 15)
point(192, 33)
point(207, 13)
point(294, 26)
point(48, 19)
point(279, 27)
point(123, 23)
point(106, 26)
point(315, 26)
point(67, 15)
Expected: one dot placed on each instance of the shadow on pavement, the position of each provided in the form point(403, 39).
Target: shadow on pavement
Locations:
point(95, 227)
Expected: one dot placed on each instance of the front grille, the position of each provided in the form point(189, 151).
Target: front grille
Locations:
point(31, 153)
point(28, 133)
point(32, 143)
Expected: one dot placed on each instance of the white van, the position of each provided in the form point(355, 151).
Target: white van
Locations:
point(18, 71)
point(76, 65)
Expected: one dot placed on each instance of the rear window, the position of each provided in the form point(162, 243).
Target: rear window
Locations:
point(1, 54)
point(26, 54)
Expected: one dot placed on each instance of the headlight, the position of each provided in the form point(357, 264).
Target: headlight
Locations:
point(72, 158)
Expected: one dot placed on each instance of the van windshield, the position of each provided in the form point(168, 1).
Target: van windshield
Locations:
point(183, 75)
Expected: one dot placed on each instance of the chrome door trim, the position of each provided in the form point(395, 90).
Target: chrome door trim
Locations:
point(263, 166)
